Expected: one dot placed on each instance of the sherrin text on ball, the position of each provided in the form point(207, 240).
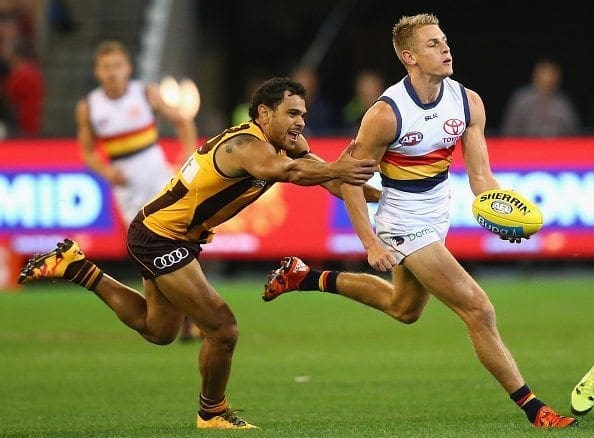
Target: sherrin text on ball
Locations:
point(507, 213)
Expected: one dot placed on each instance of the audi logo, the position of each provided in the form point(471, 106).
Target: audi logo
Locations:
point(171, 258)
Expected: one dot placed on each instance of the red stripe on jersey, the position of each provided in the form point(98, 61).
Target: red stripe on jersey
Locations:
point(129, 133)
point(398, 159)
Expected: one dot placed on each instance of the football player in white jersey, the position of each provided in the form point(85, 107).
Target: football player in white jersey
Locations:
point(412, 131)
point(118, 120)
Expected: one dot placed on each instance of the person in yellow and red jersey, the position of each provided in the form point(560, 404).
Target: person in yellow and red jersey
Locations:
point(118, 120)
point(228, 173)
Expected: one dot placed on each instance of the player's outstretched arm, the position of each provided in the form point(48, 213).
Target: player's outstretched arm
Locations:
point(346, 169)
point(372, 194)
point(259, 159)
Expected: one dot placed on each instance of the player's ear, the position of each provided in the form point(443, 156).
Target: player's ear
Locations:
point(264, 113)
point(408, 57)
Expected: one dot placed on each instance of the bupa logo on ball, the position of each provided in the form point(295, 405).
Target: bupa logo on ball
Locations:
point(501, 207)
point(502, 230)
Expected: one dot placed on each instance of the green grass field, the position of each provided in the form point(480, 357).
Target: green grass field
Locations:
point(307, 365)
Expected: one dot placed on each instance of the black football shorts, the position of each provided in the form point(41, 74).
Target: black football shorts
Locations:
point(155, 255)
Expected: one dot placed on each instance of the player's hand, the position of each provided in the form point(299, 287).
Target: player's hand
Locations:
point(351, 170)
point(115, 176)
point(380, 258)
point(513, 239)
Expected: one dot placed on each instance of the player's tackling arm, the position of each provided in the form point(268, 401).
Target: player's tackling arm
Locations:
point(377, 130)
point(259, 159)
point(372, 194)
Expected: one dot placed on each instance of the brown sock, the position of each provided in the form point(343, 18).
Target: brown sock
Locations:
point(84, 273)
point(211, 408)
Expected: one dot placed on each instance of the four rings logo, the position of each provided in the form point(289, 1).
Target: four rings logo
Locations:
point(171, 258)
point(453, 126)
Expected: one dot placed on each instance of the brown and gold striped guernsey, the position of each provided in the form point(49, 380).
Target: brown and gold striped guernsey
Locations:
point(200, 197)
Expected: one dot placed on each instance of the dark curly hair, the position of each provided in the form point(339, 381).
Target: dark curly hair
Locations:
point(272, 92)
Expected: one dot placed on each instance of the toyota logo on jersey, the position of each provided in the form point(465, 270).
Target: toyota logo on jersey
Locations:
point(453, 126)
point(171, 258)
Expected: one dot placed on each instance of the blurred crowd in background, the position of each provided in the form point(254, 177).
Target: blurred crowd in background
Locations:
point(46, 63)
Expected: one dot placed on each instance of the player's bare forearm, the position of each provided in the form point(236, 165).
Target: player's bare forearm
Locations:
point(371, 193)
point(333, 188)
point(304, 171)
point(358, 214)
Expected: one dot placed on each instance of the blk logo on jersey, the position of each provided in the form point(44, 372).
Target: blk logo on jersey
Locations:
point(411, 138)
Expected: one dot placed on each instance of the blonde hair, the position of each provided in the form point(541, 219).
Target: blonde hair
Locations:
point(111, 46)
point(403, 32)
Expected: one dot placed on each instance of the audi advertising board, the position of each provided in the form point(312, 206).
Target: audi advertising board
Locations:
point(46, 194)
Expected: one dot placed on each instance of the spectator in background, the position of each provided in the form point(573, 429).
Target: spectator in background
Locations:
point(541, 109)
point(321, 114)
point(60, 17)
point(23, 87)
point(23, 14)
point(368, 86)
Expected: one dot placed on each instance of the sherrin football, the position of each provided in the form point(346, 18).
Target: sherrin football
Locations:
point(507, 213)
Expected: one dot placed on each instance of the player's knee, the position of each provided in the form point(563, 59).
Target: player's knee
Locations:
point(225, 335)
point(228, 336)
point(164, 337)
point(407, 314)
point(164, 341)
point(481, 314)
point(409, 317)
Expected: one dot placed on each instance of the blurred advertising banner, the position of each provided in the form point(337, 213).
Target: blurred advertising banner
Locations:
point(46, 194)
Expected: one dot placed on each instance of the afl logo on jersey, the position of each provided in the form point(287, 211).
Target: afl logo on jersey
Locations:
point(453, 126)
point(411, 138)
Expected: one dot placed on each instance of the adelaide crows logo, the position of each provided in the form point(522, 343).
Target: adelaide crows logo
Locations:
point(398, 240)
